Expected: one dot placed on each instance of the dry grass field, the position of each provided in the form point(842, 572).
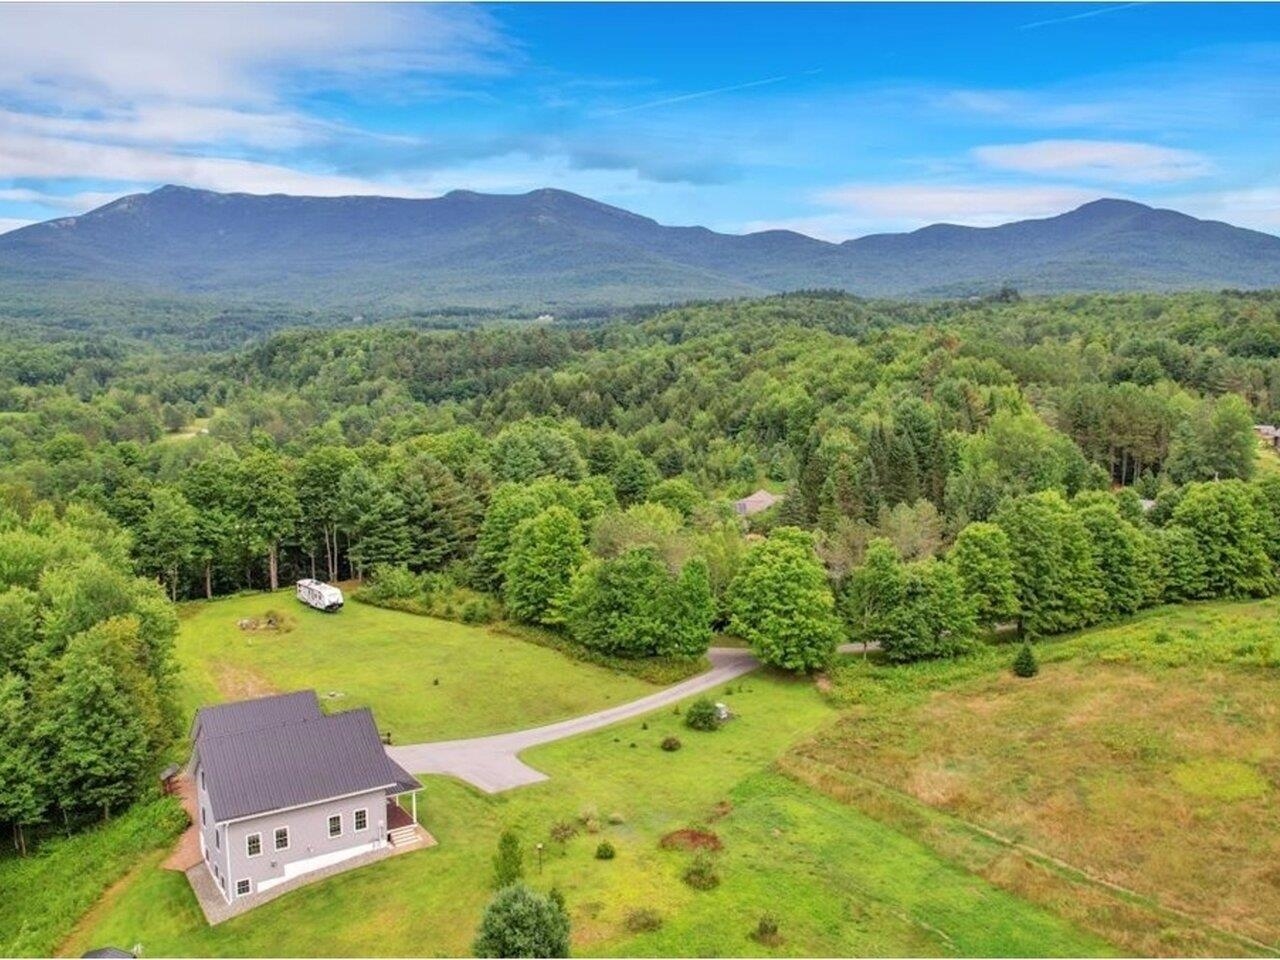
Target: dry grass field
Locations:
point(1139, 770)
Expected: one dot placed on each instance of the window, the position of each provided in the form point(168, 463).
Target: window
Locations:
point(282, 838)
point(243, 888)
point(335, 826)
point(253, 844)
point(201, 779)
point(204, 820)
point(217, 839)
point(362, 820)
point(222, 881)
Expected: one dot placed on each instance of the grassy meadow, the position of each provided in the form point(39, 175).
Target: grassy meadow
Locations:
point(838, 882)
point(1121, 802)
point(1145, 756)
point(425, 679)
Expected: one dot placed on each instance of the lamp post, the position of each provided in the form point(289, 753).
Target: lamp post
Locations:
point(539, 849)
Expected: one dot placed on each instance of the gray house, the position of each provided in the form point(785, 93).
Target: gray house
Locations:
point(283, 790)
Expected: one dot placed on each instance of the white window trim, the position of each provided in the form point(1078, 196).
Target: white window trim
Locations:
point(288, 838)
point(247, 852)
point(247, 892)
point(329, 826)
point(354, 821)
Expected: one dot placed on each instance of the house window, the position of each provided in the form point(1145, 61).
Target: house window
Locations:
point(204, 820)
point(253, 844)
point(217, 839)
point(362, 820)
point(335, 826)
point(201, 779)
point(282, 838)
point(242, 888)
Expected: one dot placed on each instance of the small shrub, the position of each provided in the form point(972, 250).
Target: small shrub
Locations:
point(520, 922)
point(702, 715)
point(605, 850)
point(508, 862)
point(587, 815)
point(563, 831)
point(644, 920)
point(671, 744)
point(616, 818)
point(1024, 664)
point(766, 931)
point(701, 873)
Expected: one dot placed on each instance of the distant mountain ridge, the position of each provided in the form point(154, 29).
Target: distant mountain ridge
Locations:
point(550, 248)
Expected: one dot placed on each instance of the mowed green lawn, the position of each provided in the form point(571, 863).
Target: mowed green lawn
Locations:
point(425, 679)
point(838, 882)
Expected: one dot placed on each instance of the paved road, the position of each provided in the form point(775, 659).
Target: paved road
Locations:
point(492, 763)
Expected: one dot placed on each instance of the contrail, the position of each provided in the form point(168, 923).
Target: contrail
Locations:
point(1081, 16)
point(666, 101)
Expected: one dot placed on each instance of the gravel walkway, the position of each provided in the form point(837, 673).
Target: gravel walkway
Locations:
point(492, 763)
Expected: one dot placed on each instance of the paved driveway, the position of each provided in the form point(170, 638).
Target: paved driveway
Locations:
point(492, 764)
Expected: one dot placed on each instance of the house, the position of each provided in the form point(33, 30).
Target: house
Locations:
point(283, 790)
point(1269, 434)
point(758, 502)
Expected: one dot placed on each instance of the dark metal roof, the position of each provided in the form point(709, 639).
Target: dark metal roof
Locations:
point(113, 952)
point(231, 718)
point(298, 763)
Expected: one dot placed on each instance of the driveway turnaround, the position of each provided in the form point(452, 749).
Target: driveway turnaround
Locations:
point(492, 764)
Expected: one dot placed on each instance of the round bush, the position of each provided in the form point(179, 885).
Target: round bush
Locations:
point(702, 715)
point(605, 851)
point(671, 744)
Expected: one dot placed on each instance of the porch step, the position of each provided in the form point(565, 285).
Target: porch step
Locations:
point(403, 836)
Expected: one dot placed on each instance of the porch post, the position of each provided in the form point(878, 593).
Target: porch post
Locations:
point(415, 806)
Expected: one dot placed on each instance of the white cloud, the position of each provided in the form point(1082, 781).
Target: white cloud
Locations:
point(11, 223)
point(1106, 160)
point(1255, 207)
point(24, 156)
point(209, 53)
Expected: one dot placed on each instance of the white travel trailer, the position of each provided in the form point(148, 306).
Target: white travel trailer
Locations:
point(322, 596)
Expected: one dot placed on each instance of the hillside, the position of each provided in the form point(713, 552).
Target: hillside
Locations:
point(549, 248)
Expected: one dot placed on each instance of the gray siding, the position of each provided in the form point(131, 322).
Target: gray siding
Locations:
point(308, 836)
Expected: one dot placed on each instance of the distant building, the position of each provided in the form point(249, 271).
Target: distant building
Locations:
point(1269, 433)
point(283, 790)
point(758, 502)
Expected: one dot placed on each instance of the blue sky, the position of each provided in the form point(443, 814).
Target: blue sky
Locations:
point(836, 120)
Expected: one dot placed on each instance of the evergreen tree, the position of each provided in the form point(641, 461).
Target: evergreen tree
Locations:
point(1024, 664)
point(508, 862)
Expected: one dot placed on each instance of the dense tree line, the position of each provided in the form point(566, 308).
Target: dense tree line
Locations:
point(945, 468)
point(86, 670)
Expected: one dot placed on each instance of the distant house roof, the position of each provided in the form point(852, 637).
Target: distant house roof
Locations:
point(275, 753)
point(112, 952)
point(757, 502)
point(1267, 431)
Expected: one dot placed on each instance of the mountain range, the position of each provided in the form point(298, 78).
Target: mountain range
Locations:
point(550, 248)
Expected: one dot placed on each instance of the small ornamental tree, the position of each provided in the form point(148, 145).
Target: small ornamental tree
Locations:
point(781, 604)
point(1024, 664)
point(508, 862)
point(520, 922)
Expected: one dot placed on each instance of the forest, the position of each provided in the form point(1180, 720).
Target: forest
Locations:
point(946, 469)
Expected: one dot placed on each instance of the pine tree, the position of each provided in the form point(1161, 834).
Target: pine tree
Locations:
point(508, 862)
point(1024, 664)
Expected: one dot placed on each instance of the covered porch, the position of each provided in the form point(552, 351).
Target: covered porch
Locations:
point(403, 828)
